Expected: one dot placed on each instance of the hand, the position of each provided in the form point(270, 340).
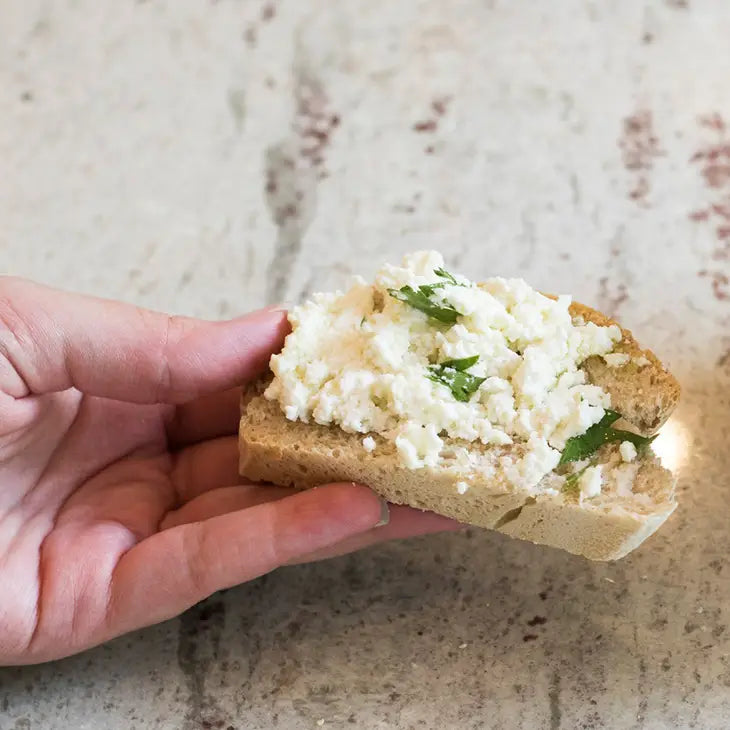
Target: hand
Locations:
point(120, 500)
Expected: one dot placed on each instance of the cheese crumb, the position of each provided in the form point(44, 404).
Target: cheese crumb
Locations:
point(642, 361)
point(623, 478)
point(462, 487)
point(590, 483)
point(627, 450)
point(369, 444)
point(616, 359)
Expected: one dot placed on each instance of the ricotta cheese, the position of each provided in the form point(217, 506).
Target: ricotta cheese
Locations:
point(616, 359)
point(590, 482)
point(627, 450)
point(364, 360)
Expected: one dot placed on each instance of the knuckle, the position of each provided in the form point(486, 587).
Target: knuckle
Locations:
point(15, 336)
point(172, 331)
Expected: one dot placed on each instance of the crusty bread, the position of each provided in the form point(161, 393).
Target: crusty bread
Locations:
point(291, 453)
point(642, 390)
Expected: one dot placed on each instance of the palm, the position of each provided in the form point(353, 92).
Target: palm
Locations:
point(110, 479)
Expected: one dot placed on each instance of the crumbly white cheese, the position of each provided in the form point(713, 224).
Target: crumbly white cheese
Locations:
point(590, 482)
point(642, 362)
point(369, 444)
point(623, 477)
point(627, 450)
point(616, 359)
point(360, 360)
point(462, 487)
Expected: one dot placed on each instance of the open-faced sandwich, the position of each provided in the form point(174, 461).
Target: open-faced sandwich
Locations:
point(487, 402)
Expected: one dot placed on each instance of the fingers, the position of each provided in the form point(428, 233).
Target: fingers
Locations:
point(174, 569)
point(52, 340)
point(221, 501)
point(205, 466)
point(205, 418)
point(404, 522)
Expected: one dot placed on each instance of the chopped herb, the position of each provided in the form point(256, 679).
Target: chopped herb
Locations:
point(461, 364)
point(422, 299)
point(451, 374)
point(446, 275)
point(581, 447)
point(572, 482)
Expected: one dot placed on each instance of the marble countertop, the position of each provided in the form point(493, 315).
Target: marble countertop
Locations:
point(209, 157)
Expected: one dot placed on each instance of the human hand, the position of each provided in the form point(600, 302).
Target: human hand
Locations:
point(120, 500)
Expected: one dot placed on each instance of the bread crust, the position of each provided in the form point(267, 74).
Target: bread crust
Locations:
point(644, 393)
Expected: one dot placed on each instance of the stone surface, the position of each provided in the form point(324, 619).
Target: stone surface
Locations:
point(209, 157)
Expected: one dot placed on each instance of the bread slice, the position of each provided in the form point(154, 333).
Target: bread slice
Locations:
point(635, 500)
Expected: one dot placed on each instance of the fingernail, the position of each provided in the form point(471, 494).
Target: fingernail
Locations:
point(384, 513)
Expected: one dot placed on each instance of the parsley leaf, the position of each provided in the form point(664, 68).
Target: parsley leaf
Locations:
point(581, 447)
point(442, 273)
point(422, 299)
point(452, 374)
point(461, 364)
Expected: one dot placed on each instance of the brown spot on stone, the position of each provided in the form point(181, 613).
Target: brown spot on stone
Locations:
point(537, 621)
point(611, 300)
point(250, 36)
point(426, 126)
point(639, 147)
point(529, 637)
point(439, 106)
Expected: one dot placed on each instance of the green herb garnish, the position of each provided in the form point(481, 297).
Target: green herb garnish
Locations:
point(571, 485)
point(452, 374)
point(422, 299)
point(461, 364)
point(446, 275)
point(581, 447)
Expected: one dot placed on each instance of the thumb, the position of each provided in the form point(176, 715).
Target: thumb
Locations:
point(52, 340)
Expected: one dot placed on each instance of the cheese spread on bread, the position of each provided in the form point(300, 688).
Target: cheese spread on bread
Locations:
point(422, 355)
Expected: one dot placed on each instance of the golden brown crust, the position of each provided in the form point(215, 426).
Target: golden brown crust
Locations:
point(644, 393)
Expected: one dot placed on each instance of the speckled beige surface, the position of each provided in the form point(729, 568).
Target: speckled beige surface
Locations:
point(208, 157)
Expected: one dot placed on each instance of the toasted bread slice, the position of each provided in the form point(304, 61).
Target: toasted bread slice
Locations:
point(635, 500)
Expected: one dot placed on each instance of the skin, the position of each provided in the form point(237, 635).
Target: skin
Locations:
point(120, 500)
